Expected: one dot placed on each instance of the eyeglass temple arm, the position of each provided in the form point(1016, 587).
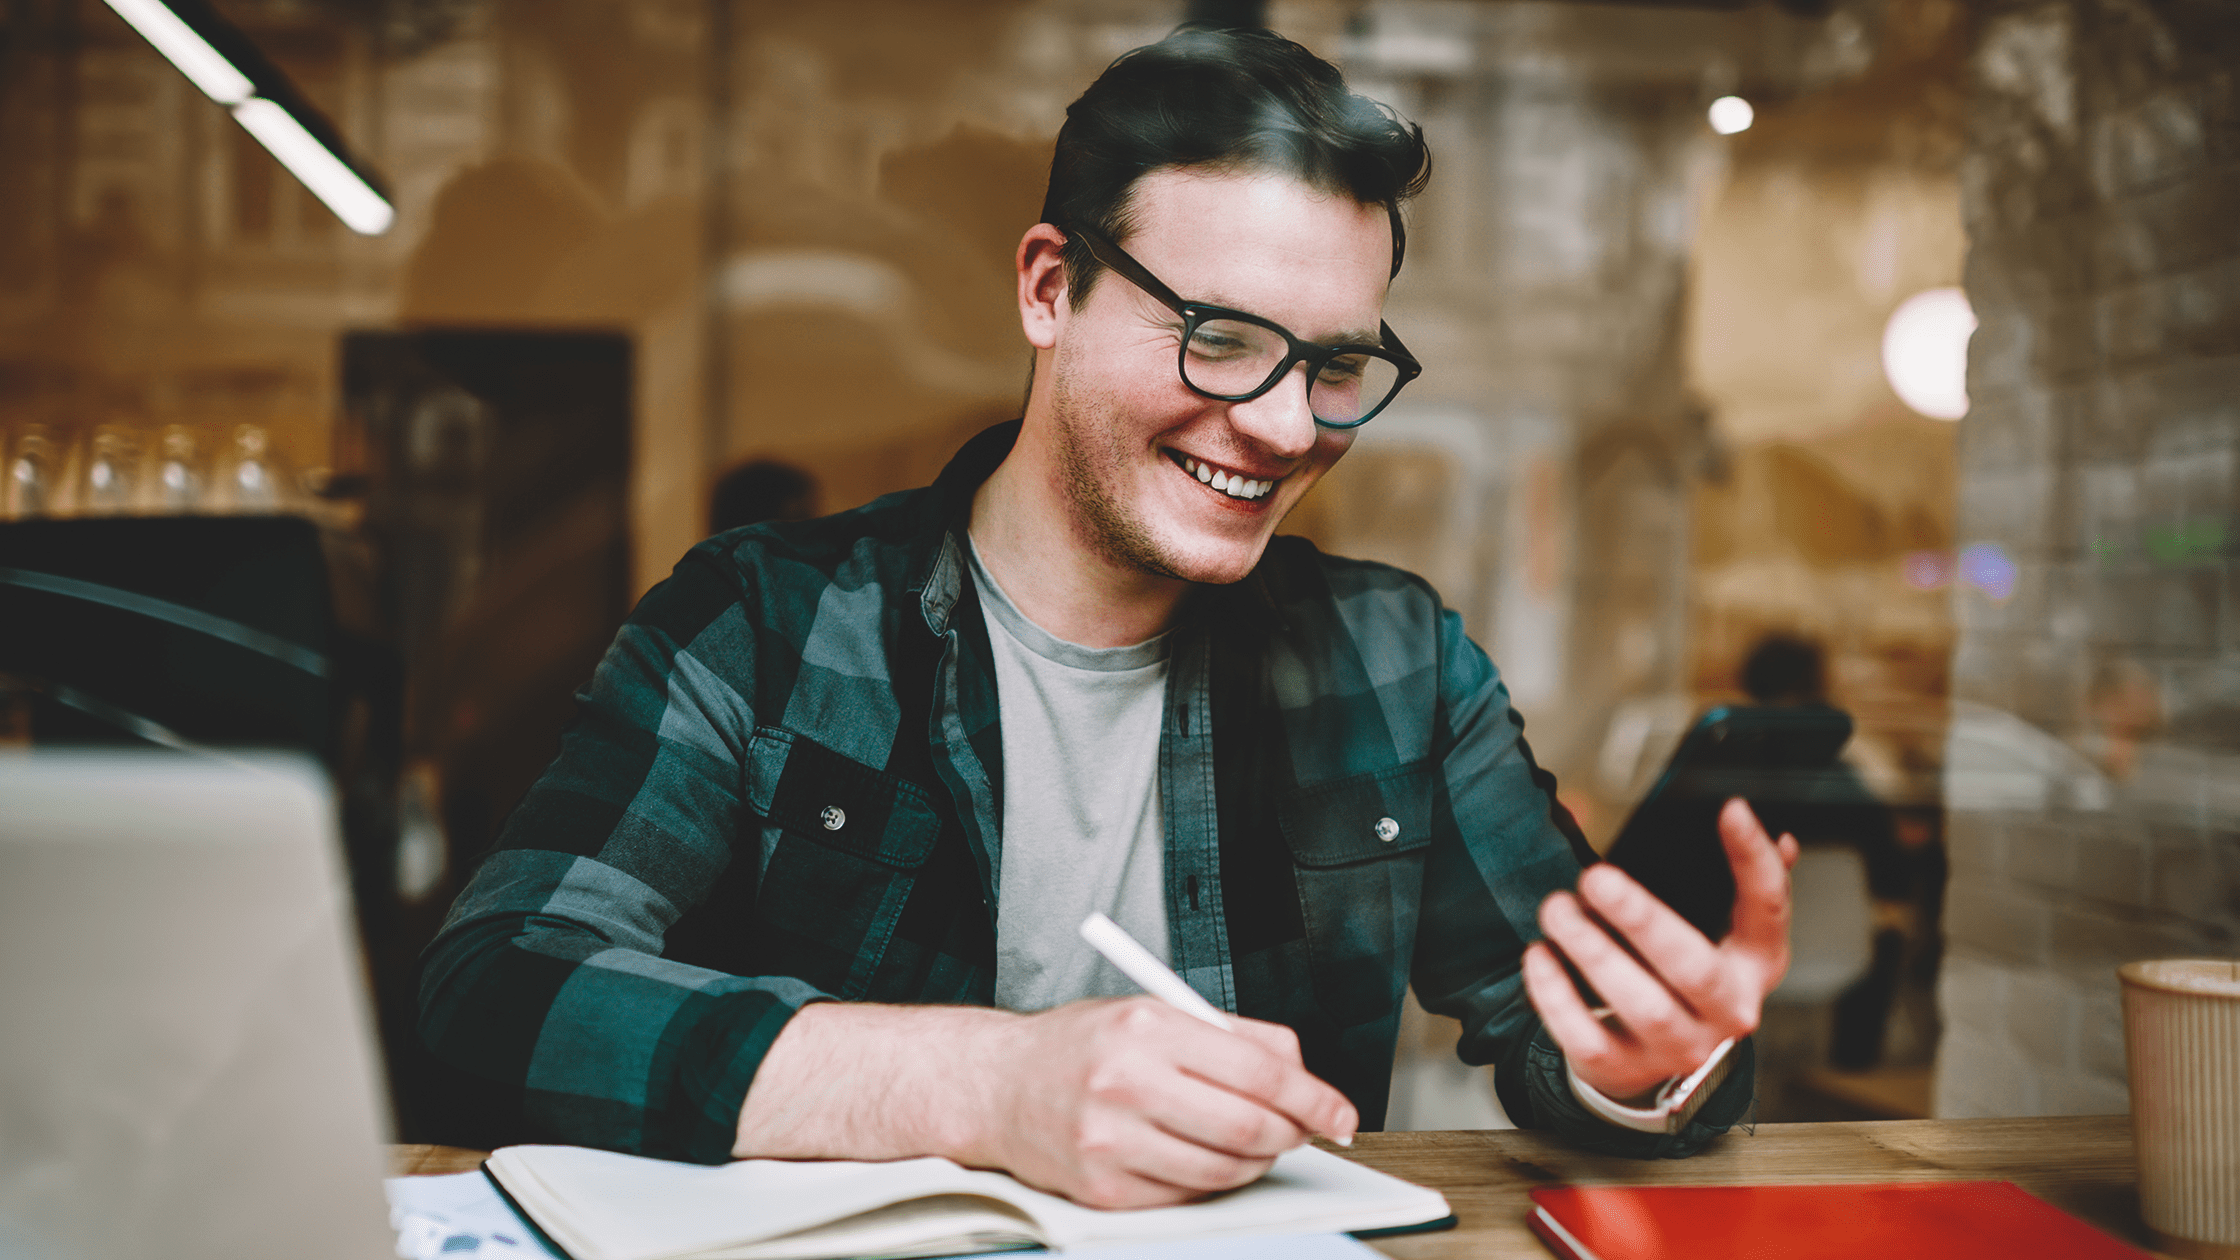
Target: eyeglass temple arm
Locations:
point(1392, 345)
point(1117, 259)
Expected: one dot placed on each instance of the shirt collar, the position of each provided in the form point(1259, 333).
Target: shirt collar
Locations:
point(939, 571)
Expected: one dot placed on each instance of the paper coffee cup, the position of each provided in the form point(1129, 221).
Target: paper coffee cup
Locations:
point(2181, 1032)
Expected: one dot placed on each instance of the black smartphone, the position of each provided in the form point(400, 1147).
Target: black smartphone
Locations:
point(1779, 758)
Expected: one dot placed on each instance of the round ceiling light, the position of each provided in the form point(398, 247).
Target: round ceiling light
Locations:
point(1925, 352)
point(1730, 114)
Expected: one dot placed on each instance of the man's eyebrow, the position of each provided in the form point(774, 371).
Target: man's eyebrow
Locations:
point(1350, 337)
point(1354, 337)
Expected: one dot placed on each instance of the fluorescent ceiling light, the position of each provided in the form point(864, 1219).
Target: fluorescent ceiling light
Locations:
point(353, 201)
point(322, 170)
point(196, 59)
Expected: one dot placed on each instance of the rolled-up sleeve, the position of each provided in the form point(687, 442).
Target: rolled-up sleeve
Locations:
point(547, 979)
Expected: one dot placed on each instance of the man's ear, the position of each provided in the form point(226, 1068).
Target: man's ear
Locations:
point(1042, 284)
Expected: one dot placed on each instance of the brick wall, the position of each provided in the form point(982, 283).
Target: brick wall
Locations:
point(2101, 188)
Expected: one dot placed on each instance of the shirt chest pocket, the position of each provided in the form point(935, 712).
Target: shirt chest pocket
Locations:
point(1357, 850)
point(851, 844)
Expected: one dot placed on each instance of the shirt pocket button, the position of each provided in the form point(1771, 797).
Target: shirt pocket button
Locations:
point(1387, 830)
point(833, 817)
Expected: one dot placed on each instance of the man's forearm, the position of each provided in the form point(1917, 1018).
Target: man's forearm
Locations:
point(1115, 1102)
point(856, 1081)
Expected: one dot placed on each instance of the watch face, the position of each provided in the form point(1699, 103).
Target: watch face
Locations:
point(1686, 1095)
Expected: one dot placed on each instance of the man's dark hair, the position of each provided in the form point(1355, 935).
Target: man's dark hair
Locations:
point(1247, 99)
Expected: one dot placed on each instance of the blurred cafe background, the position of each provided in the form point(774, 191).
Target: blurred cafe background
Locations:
point(1885, 352)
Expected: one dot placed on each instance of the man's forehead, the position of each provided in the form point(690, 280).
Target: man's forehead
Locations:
point(1179, 197)
point(1235, 223)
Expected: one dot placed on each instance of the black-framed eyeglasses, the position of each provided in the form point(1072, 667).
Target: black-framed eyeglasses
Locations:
point(1235, 356)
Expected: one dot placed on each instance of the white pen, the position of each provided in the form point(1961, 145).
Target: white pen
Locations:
point(1142, 966)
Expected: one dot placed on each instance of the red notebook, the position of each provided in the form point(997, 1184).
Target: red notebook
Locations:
point(1923, 1220)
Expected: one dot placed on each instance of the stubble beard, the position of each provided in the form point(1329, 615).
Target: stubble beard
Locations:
point(1099, 520)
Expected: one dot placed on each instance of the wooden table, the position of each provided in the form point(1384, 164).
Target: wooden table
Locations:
point(2081, 1164)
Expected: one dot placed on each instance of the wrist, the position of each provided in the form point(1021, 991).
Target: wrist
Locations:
point(959, 1076)
point(1665, 1108)
point(859, 1081)
point(1628, 1091)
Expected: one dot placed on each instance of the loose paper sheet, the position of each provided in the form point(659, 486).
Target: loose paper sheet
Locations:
point(459, 1217)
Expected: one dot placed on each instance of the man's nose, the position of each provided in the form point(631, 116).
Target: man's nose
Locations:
point(1280, 420)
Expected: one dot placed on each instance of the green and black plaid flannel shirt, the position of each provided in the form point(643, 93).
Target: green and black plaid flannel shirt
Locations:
point(785, 782)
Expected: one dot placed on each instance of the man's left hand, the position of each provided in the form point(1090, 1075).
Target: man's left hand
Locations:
point(1668, 1013)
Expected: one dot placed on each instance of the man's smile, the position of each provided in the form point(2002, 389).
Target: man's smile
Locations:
point(1228, 481)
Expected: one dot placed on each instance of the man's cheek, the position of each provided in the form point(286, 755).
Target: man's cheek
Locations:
point(1293, 492)
point(1330, 445)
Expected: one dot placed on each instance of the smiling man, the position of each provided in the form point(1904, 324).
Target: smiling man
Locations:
point(806, 877)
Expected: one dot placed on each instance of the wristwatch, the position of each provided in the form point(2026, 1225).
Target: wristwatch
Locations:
point(1673, 1105)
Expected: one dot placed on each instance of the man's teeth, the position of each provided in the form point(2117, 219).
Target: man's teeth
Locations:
point(1234, 487)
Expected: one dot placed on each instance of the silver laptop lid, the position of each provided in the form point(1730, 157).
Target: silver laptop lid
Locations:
point(186, 1065)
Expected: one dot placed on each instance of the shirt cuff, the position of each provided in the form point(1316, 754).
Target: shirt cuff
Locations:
point(1669, 1109)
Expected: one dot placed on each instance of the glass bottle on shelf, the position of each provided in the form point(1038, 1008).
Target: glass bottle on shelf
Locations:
point(256, 483)
point(111, 474)
point(31, 471)
point(178, 481)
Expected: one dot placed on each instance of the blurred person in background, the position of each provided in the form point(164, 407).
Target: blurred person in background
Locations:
point(806, 878)
point(761, 490)
point(1785, 669)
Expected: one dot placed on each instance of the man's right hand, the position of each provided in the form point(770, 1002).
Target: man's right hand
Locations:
point(1127, 1102)
point(1120, 1102)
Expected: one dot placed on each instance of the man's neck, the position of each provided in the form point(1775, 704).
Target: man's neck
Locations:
point(1032, 544)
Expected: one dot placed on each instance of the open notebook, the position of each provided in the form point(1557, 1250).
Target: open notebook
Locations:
point(597, 1205)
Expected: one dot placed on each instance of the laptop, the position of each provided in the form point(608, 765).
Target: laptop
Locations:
point(186, 1055)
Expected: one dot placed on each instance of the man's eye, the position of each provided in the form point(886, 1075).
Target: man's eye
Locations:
point(1215, 343)
point(1344, 370)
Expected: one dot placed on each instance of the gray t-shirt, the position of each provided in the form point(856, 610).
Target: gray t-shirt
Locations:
point(1082, 827)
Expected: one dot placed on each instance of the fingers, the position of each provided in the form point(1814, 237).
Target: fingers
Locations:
point(1163, 1108)
point(1761, 884)
point(1261, 1063)
point(1718, 988)
point(1167, 1075)
point(1686, 962)
point(1152, 1169)
point(1675, 994)
point(1218, 1120)
point(1607, 1057)
point(1276, 1039)
point(1642, 1001)
point(1574, 1027)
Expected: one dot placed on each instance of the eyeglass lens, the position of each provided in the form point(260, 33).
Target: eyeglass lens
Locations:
point(1232, 357)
